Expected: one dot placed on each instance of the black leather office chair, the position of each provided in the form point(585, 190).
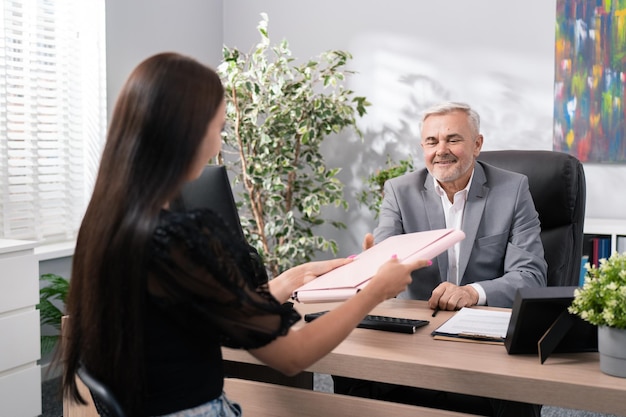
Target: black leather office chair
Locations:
point(211, 190)
point(104, 400)
point(557, 184)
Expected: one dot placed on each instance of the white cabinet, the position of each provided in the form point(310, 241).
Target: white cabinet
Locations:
point(20, 374)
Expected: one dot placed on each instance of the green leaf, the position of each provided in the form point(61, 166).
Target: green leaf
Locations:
point(52, 297)
point(48, 343)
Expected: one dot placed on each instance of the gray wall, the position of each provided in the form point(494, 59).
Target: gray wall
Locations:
point(498, 56)
point(137, 29)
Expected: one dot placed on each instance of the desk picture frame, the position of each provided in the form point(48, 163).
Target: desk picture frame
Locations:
point(540, 315)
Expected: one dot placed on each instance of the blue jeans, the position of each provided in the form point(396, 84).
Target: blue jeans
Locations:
point(219, 407)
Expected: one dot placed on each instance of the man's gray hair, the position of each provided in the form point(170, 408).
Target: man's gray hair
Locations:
point(452, 106)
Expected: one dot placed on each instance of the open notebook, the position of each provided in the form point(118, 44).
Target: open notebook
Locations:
point(343, 282)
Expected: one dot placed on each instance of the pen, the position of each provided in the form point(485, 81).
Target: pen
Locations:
point(436, 311)
point(485, 337)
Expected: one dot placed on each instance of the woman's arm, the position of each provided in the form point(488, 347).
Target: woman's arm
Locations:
point(300, 348)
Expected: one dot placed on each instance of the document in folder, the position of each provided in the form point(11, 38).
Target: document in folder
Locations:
point(475, 325)
point(343, 282)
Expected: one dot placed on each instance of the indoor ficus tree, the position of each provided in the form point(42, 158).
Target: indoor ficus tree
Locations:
point(278, 115)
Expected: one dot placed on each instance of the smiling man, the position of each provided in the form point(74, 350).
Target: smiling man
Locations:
point(502, 250)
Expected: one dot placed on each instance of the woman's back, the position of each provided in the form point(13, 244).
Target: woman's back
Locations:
point(198, 272)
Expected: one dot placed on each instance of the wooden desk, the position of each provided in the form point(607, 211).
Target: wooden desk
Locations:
point(571, 380)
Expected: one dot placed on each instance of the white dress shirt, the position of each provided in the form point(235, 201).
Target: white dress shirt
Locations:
point(453, 211)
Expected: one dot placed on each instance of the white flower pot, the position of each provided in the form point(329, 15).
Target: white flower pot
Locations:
point(612, 349)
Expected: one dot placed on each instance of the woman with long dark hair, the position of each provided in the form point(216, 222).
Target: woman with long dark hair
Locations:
point(155, 293)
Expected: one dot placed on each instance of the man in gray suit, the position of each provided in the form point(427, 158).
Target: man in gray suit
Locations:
point(502, 250)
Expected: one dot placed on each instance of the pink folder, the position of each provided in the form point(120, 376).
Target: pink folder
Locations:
point(343, 282)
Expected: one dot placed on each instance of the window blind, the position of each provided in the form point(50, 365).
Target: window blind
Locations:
point(52, 114)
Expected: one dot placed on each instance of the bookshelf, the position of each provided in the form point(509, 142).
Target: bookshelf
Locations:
point(613, 228)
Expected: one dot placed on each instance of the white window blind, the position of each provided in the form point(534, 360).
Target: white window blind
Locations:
point(52, 114)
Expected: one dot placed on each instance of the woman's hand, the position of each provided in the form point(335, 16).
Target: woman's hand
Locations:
point(393, 277)
point(312, 270)
point(286, 283)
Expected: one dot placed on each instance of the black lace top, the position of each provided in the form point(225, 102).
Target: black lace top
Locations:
point(206, 288)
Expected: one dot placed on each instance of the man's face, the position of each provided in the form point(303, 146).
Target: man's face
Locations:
point(450, 147)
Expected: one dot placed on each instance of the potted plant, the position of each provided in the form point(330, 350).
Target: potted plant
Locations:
point(278, 115)
point(602, 301)
point(52, 297)
point(372, 197)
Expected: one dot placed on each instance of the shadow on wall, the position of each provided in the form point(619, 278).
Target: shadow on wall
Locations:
point(398, 137)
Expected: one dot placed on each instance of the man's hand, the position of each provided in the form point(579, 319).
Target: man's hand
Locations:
point(368, 241)
point(448, 296)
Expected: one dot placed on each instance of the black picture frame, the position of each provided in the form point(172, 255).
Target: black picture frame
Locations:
point(536, 311)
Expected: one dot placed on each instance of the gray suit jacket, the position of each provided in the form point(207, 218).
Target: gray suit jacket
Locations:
point(502, 249)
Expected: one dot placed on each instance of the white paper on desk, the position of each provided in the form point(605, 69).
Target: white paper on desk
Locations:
point(343, 282)
point(477, 322)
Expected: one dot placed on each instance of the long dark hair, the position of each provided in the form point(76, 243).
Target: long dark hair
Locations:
point(160, 120)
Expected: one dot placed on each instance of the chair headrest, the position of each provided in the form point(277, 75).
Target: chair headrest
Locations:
point(556, 181)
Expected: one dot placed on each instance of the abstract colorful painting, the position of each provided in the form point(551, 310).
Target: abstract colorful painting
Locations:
point(590, 80)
